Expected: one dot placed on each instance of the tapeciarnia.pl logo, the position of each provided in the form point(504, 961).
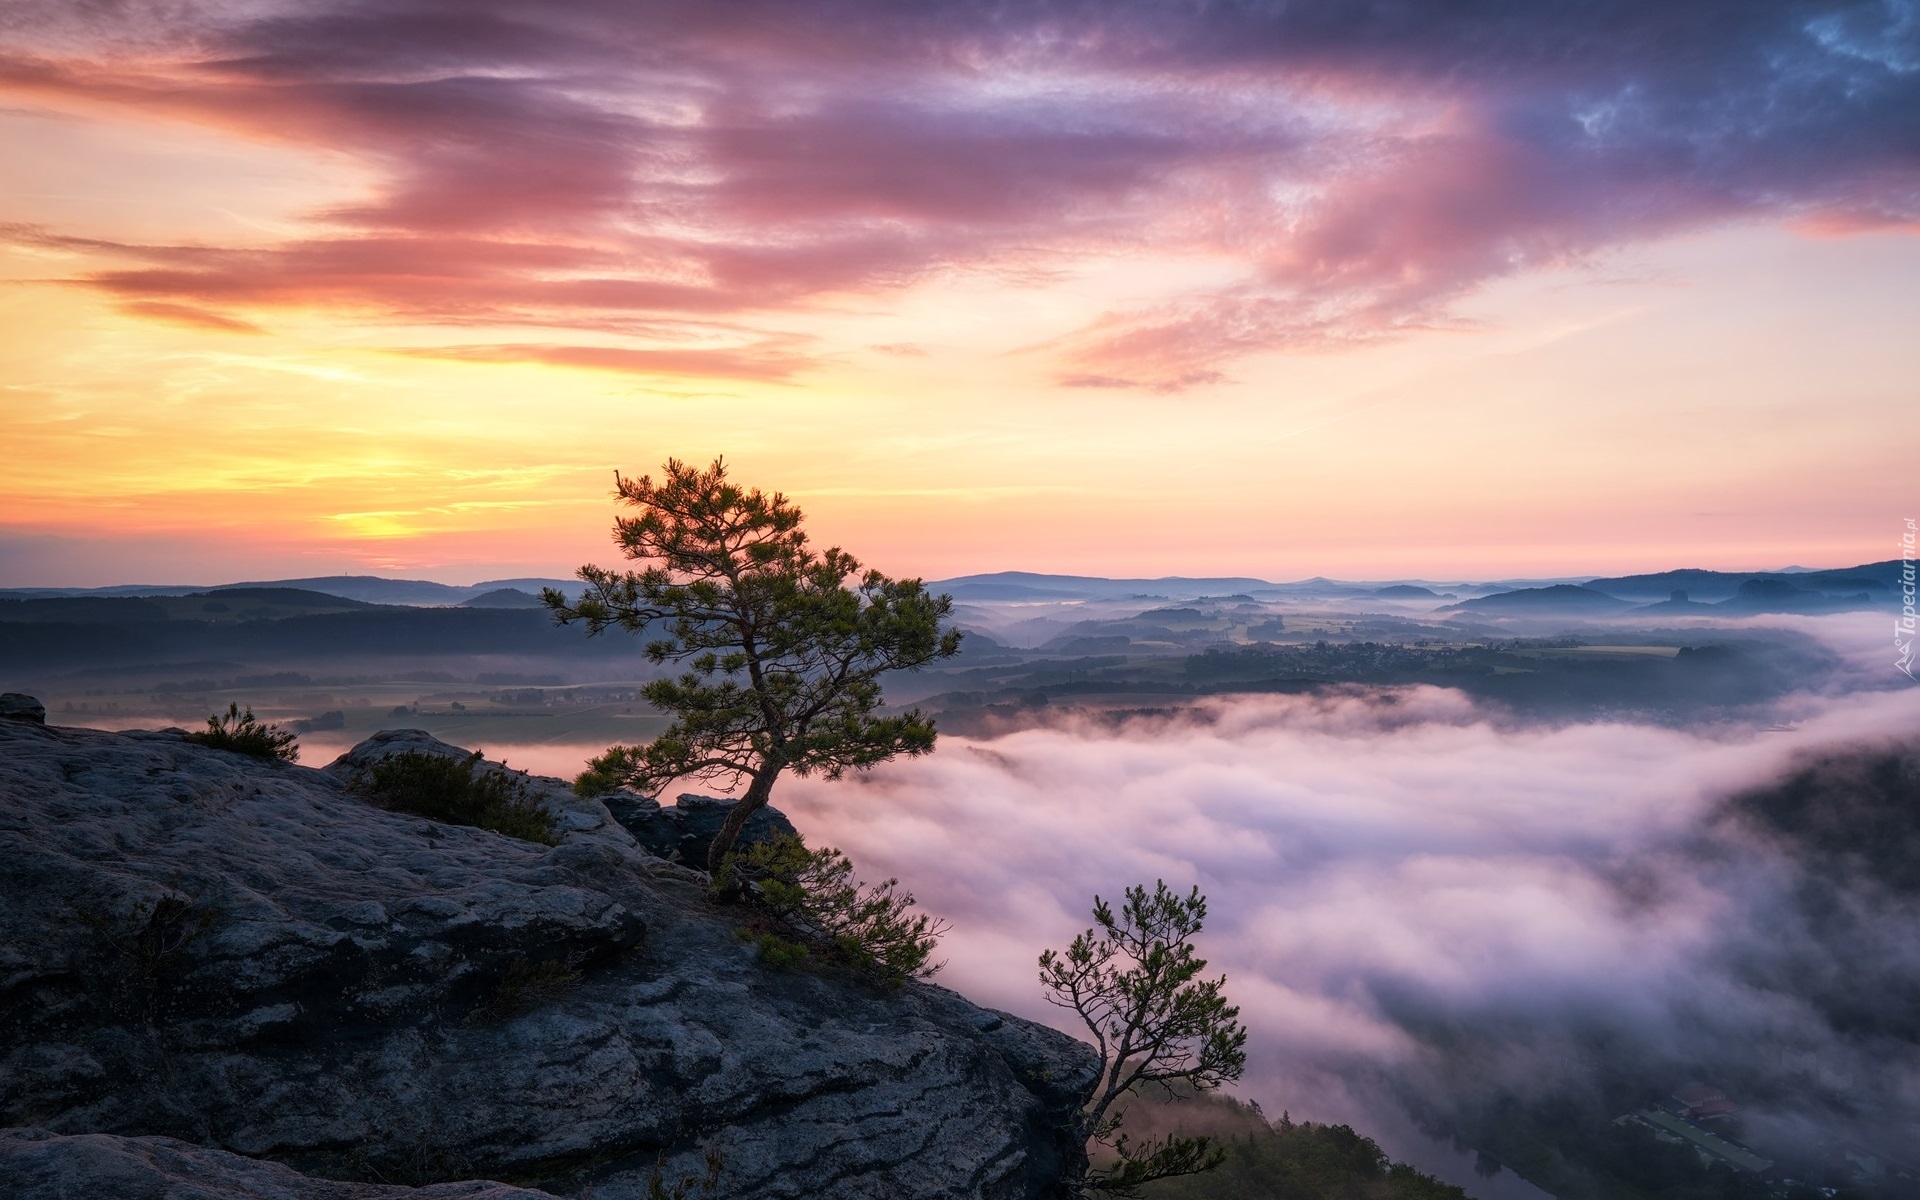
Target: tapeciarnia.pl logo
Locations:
point(1903, 625)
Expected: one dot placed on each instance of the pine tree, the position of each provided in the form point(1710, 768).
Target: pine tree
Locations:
point(784, 646)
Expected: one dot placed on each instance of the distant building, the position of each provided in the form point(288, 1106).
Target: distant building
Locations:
point(1701, 1102)
point(1709, 1145)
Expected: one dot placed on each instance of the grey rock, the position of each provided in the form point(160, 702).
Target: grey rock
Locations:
point(248, 957)
point(683, 830)
point(21, 707)
point(99, 1166)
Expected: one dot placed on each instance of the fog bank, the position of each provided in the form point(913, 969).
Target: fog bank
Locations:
point(1419, 896)
point(1403, 889)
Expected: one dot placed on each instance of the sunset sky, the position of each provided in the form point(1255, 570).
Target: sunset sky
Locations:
point(1372, 290)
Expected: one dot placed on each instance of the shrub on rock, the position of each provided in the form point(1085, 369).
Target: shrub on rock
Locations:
point(450, 790)
point(239, 732)
point(810, 901)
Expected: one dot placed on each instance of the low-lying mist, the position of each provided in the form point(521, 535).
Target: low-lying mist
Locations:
point(1427, 904)
point(1406, 893)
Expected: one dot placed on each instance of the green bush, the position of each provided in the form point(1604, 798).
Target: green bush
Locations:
point(809, 902)
point(450, 790)
point(775, 951)
point(1278, 1160)
point(239, 732)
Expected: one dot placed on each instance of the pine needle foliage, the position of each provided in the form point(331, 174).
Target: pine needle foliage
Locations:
point(1135, 980)
point(813, 904)
point(784, 645)
point(239, 732)
point(451, 790)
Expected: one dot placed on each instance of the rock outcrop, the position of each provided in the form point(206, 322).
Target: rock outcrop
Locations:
point(18, 706)
point(248, 957)
point(97, 1166)
point(683, 830)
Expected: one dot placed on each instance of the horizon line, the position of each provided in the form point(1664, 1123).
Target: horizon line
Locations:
point(191, 588)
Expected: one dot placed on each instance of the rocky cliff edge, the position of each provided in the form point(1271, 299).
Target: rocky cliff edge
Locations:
point(228, 977)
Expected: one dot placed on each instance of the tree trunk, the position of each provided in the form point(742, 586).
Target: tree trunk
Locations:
point(744, 807)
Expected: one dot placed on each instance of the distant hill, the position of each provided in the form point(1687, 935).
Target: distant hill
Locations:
point(1027, 585)
point(1781, 596)
point(374, 589)
point(368, 631)
point(1560, 599)
point(530, 585)
point(80, 608)
point(1771, 594)
point(1767, 594)
point(1678, 606)
point(1846, 812)
point(368, 589)
point(503, 598)
point(1701, 586)
point(1711, 587)
point(284, 597)
point(118, 589)
point(219, 605)
point(417, 592)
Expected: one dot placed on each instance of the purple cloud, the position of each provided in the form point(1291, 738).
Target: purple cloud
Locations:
point(643, 161)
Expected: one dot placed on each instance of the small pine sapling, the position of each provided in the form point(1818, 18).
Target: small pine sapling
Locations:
point(239, 732)
point(1134, 979)
point(453, 790)
point(812, 902)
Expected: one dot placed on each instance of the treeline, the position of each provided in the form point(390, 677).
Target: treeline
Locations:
point(1278, 1160)
point(1535, 679)
point(65, 645)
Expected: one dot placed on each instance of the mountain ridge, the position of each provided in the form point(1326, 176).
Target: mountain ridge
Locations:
point(1032, 585)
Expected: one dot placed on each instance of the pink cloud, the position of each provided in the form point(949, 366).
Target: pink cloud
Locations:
point(186, 314)
point(765, 362)
point(638, 161)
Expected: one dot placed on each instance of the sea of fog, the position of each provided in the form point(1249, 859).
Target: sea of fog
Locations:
point(1376, 862)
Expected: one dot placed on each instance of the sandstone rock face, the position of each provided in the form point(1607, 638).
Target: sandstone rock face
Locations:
point(97, 1166)
point(683, 831)
point(248, 957)
point(19, 706)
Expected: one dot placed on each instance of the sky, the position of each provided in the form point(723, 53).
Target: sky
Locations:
point(1473, 290)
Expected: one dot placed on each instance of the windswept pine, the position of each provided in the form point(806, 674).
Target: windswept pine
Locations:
point(784, 655)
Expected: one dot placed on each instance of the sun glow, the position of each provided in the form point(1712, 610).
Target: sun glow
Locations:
point(1104, 322)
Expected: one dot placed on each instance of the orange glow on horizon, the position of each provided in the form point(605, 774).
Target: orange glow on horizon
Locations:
point(249, 331)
